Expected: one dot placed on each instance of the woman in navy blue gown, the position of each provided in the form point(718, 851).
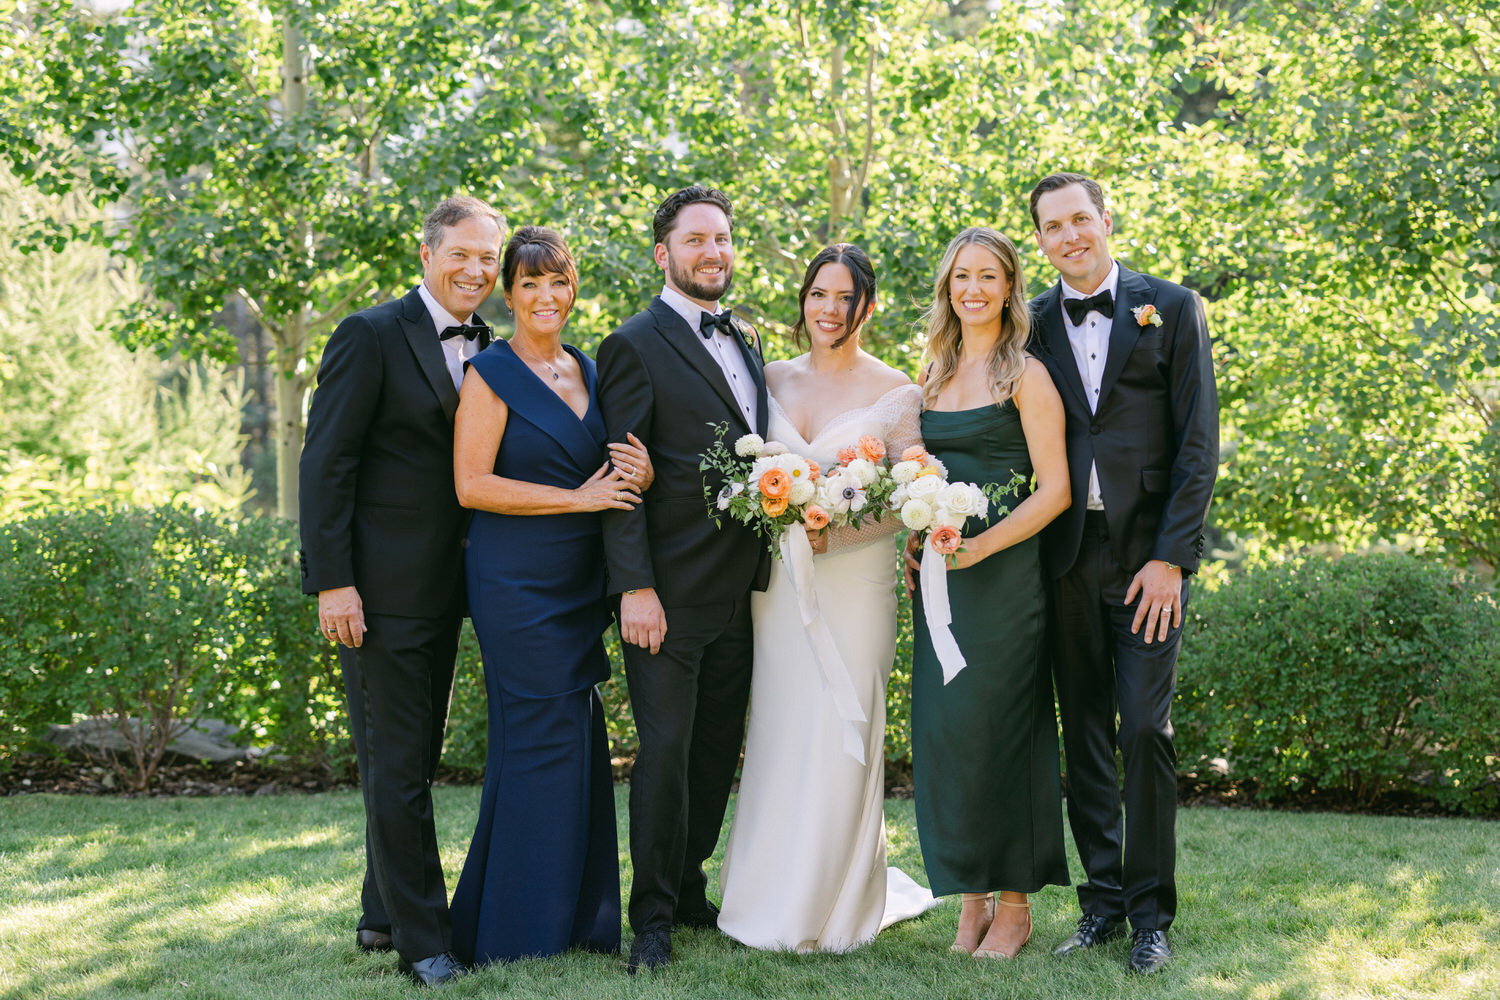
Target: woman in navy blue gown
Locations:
point(530, 458)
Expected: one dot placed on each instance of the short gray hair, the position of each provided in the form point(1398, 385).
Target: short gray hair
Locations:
point(452, 211)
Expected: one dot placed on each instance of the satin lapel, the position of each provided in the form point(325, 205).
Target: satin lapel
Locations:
point(529, 396)
point(416, 323)
point(1055, 337)
point(685, 341)
point(1133, 291)
point(756, 363)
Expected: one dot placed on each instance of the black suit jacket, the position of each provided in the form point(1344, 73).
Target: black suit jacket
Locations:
point(658, 382)
point(378, 505)
point(1154, 433)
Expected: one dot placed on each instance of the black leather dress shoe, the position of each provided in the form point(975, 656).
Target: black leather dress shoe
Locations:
point(439, 970)
point(652, 950)
point(705, 918)
point(1149, 950)
point(1092, 929)
point(373, 940)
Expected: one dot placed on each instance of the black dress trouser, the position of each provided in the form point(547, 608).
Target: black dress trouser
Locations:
point(1101, 669)
point(689, 701)
point(398, 685)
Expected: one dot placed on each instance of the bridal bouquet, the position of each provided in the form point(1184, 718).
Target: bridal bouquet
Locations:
point(764, 486)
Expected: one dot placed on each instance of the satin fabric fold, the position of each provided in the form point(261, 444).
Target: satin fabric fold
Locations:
point(939, 614)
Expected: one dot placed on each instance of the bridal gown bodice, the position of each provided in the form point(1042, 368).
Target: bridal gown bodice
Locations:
point(805, 865)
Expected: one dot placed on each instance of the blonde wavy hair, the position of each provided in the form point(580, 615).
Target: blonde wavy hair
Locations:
point(944, 333)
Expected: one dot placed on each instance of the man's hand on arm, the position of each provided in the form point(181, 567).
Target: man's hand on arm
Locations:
point(642, 621)
point(1159, 585)
point(341, 616)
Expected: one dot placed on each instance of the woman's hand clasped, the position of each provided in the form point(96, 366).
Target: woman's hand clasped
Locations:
point(608, 489)
point(634, 462)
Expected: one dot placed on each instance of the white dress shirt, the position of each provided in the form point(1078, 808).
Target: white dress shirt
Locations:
point(456, 350)
point(726, 354)
point(1090, 343)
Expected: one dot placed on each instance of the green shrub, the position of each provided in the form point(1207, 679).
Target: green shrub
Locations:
point(1365, 675)
point(162, 614)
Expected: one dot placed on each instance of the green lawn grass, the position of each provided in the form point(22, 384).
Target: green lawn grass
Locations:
point(255, 898)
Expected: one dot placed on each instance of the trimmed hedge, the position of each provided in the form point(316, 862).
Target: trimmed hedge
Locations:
point(1367, 674)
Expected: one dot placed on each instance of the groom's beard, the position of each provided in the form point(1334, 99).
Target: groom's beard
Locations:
point(689, 284)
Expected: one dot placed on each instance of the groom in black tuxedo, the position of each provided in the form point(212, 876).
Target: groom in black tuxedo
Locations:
point(1130, 357)
point(382, 547)
point(669, 375)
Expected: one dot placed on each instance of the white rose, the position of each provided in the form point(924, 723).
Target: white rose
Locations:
point(863, 470)
point(803, 490)
point(749, 446)
point(905, 472)
point(773, 448)
point(925, 488)
point(942, 517)
point(898, 498)
point(963, 499)
point(916, 514)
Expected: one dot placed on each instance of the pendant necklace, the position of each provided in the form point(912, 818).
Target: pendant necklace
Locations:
point(526, 357)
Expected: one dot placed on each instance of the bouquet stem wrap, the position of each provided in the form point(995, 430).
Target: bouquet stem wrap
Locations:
point(797, 558)
point(939, 614)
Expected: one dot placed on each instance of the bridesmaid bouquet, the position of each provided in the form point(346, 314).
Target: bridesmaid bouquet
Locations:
point(935, 511)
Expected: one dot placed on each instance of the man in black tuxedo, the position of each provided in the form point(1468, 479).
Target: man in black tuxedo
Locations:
point(1130, 356)
point(382, 547)
point(669, 375)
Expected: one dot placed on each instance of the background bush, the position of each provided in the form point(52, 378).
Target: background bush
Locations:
point(165, 614)
point(1362, 675)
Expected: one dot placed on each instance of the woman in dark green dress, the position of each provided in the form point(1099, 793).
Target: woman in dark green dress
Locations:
point(984, 745)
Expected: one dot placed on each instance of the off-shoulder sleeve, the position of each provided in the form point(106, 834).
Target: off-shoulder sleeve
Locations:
point(899, 413)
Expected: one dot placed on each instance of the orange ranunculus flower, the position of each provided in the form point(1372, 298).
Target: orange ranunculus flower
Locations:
point(928, 470)
point(870, 447)
point(775, 483)
point(814, 470)
point(773, 506)
point(815, 517)
point(945, 540)
point(915, 453)
point(846, 455)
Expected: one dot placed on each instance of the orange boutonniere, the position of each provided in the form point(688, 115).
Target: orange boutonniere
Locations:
point(1147, 315)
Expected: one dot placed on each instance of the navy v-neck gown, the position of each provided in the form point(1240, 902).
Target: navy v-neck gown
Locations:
point(542, 874)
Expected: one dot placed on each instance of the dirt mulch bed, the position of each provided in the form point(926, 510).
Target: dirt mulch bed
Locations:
point(33, 774)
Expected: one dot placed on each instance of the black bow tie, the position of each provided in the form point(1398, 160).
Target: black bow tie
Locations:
point(1077, 309)
point(468, 331)
point(711, 323)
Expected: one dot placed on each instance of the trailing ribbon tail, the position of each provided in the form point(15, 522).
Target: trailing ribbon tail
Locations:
point(797, 557)
point(939, 614)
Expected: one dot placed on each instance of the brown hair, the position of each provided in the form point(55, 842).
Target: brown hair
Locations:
point(860, 269)
point(666, 213)
point(1054, 181)
point(452, 211)
point(534, 250)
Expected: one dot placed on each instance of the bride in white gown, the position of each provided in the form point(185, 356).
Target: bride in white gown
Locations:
point(805, 865)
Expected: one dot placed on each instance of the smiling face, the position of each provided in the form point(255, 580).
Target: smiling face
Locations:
point(1074, 234)
point(978, 287)
point(540, 303)
point(460, 271)
point(698, 255)
point(825, 307)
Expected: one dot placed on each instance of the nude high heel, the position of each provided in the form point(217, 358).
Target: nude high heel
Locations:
point(958, 945)
point(981, 952)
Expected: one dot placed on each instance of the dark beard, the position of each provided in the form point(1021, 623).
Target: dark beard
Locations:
point(694, 289)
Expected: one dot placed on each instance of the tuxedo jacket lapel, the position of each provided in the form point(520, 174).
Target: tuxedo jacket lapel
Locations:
point(1055, 339)
point(684, 340)
point(416, 323)
point(1132, 291)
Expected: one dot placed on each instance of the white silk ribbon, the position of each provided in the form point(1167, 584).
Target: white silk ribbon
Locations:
point(797, 557)
point(939, 614)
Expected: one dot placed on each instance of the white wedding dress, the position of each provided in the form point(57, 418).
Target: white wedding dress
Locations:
point(805, 867)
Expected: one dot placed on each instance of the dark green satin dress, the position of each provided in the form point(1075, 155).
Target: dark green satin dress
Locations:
point(984, 746)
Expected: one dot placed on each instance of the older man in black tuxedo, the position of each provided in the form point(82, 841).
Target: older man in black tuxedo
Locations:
point(382, 547)
point(1130, 357)
point(667, 375)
